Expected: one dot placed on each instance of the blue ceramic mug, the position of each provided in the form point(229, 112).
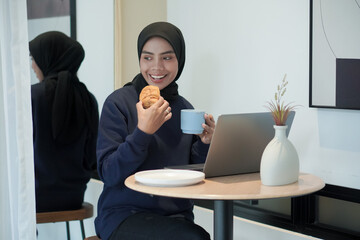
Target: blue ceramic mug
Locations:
point(192, 120)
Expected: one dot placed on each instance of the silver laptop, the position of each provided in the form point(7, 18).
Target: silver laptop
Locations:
point(238, 143)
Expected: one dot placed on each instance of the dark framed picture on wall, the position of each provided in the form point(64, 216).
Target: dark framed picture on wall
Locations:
point(335, 54)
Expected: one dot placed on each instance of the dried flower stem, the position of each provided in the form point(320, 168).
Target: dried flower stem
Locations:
point(278, 109)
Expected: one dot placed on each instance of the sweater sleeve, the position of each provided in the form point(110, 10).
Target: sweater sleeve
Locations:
point(120, 151)
point(199, 150)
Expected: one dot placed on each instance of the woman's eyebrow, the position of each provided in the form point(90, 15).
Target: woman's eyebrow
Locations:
point(168, 52)
point(150, 53)
point(146, 52)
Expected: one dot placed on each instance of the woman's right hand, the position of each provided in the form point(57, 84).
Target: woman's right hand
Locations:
point(152, 118)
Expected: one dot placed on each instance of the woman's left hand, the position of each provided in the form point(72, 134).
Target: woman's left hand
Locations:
point(209, 127)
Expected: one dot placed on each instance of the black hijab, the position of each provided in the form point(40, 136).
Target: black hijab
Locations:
point(72, 107)
point(173, 35)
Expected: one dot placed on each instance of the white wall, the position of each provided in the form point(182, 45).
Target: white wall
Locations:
point(237, 53)
point(95, 31)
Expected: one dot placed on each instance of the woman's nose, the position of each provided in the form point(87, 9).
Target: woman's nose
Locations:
point(158, 64)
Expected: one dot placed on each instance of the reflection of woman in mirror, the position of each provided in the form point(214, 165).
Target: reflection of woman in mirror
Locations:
point(65, 120)
point(132, 138)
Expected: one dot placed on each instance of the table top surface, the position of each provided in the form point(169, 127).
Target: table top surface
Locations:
point(234, 187)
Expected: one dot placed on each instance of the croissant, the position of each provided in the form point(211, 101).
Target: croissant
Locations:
point(149, 95)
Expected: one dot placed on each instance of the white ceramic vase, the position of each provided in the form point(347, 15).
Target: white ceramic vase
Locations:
point(279, 161)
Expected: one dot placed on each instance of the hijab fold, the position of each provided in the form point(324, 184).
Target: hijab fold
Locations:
point(173, 35)
point(59, 57)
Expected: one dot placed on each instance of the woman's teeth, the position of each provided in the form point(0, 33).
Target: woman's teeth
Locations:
point(157, 77)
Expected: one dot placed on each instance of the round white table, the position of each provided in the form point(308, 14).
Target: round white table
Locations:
point(223, 190)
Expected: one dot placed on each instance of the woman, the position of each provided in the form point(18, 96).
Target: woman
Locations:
point(132, 139)
point(65, 121)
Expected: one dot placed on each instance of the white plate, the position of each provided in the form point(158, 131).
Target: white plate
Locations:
point(169, 177)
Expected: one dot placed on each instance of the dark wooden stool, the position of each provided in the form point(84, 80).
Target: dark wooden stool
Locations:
point(86, 211)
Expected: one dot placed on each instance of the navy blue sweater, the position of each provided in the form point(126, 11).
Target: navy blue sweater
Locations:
point(123, 149)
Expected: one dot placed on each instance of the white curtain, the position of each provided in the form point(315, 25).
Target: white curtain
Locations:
point(17, 191)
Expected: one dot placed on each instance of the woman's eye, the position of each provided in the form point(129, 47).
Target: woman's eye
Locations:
point(147, 58)
point(167, 58)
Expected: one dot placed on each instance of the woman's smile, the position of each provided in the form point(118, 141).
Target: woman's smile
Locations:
point(157, 78)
